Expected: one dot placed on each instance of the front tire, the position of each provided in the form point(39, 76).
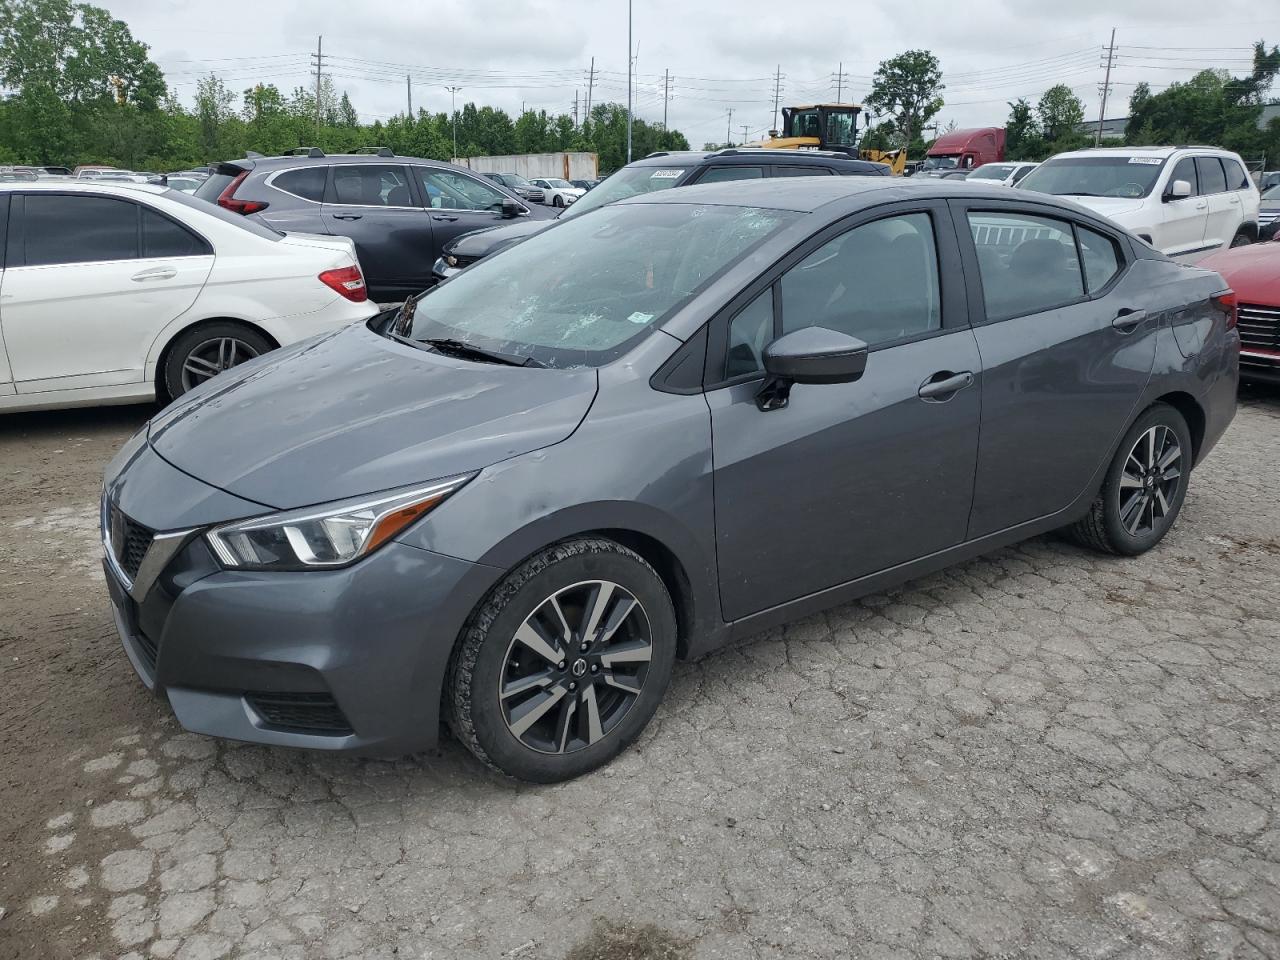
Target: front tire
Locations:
point(564, 663)
point(1144, 489)
point(556, 201)
point(1241, 239)
point(206, 350)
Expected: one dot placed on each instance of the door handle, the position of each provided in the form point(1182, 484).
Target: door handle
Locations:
point(943, 385)
point(1127, 320)
point(347, 216)
point(447, 217)
point(155, 273)
point(1202, 205)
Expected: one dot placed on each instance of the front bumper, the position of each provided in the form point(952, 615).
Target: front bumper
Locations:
point(352, 659)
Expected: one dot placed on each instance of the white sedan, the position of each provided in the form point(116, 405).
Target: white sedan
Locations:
point(115, 293)
point(1002, 174)
point(557, 192)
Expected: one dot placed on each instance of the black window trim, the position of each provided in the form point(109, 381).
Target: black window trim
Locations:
point(951, 283)
point(1221, 166)
point(969, 252)
point(1173, 170)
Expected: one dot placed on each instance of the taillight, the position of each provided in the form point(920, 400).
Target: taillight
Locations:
point(348, 281)
point(227, 199)
point(1226, 301)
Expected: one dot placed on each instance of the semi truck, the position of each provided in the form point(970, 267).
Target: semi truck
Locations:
point(964, 150)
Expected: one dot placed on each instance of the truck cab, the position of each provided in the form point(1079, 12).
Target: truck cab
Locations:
point(964, 150)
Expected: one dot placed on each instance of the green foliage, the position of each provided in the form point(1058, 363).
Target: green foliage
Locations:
point(1212, 107)
point(908, 88)
point(1020, 130)
point(85, 91)
point(1060, 112)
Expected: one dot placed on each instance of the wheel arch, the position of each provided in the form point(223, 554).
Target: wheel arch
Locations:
point(162, 358)
point(1191, 411)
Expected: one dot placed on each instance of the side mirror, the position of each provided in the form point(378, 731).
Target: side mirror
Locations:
point(510, 208)
point(810, 355)
point(1178, 190)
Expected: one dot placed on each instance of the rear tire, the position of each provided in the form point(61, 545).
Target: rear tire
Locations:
point(1144, 488)
point(206, 350)
point(564, 663)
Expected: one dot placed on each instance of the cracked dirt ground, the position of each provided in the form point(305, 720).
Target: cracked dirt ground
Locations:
point(1040, 754)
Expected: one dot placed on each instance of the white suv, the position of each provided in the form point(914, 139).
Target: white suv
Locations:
point(1181, 200)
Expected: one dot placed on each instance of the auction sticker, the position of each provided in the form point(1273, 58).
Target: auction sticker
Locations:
point(1149, 161)
point(665, 174)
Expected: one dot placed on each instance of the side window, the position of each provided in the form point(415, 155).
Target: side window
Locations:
point(1212, 179)
point(371, 185)
point(1186, 170)
point(307, 182)
point(721, 174)
point(453, 191)
point(162, 237)
point(79, 229)
point(1237, 176)
point(1102, 260)
point(1028, 264)
point(878, 282)
point(750, 331)
point(799, 171)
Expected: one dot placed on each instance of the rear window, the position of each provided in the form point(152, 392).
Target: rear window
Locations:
point(211, 209)
point(161, 237)
point(218, 181)
point(307, 182)
point(1212, 179)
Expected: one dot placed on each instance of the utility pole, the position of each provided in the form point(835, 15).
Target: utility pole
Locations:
point(728, 130)
point(319, 59)
point(453, 95)
point(629, 48)
point(777, 95)
point(745, 128)
point(591, 83)
point(666, 95)
point(408, 89)
point(1106, 88)
point(575, 109)
point(840, 82)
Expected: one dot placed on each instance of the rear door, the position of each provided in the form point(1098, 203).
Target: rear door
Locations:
point(6, 373)
point(374, 204)
point(456, 204)
point(1222, 216)
point(90, 282)
point(1182, 227)
point(1066, 353)
point(800, 170)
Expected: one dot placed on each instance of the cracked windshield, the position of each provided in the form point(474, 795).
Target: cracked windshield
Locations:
point(580, 293)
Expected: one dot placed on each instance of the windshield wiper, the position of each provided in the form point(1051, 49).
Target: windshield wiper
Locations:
point(1079, 193)
point(459, 348)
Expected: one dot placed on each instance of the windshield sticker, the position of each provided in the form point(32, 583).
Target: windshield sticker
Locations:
point(639, 317)
point(1149, 161)
point(665, 174)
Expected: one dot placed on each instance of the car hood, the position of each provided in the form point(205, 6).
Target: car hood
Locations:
point(483, 242)
point(1253, 271)
point(352, 413)
point(1112, 207)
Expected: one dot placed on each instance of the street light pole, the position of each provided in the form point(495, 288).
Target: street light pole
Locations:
point(453, 100)
point(628, 81)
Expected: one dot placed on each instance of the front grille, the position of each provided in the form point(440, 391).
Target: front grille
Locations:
point(1259, 327)
point(315, 713)
point(129, 542)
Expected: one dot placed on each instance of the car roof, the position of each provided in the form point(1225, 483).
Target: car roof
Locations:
point(301, 160)
point(733, 155)
point(86, 186)
point(808, 194)
point(1156, 152)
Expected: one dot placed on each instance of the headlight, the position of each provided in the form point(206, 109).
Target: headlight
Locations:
point(330, 535)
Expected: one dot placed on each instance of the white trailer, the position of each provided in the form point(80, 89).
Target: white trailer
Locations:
point(567, 166)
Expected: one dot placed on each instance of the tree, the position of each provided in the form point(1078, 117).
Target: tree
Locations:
point(1020, 130)
point(347, 115)
point(909, 88)
point(1061, 112)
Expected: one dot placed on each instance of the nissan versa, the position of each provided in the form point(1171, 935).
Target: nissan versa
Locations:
point(513, 503)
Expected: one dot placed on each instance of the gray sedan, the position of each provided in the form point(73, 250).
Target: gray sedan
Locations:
point(517, 501)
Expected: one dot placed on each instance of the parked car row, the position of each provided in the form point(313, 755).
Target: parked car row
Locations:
point(536, 488)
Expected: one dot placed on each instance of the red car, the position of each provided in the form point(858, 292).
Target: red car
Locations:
point(1253, 271)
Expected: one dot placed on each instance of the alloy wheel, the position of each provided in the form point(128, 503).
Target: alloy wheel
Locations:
point(210, 358)
point(575, 667)
point(1149, 480)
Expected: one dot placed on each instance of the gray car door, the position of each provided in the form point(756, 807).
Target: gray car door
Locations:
point(457, 203)
point(1067, 343)
point(847, 479)
point(373, 204)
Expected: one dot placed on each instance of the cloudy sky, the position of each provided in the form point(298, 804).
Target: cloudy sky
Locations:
point(722, 54)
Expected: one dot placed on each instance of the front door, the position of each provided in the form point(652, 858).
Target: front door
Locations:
point(1183, 219)
point(373, 204)
point(456, 204)
point(90, 281)
point(1067, 328)
point(847, 479)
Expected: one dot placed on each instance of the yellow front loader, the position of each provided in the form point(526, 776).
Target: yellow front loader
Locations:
point(829, 126)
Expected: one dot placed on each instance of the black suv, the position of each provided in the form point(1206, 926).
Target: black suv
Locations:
point(400, 211)
point(660, 171)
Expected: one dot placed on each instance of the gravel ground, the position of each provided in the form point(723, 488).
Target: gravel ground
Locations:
point(1042, 753)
